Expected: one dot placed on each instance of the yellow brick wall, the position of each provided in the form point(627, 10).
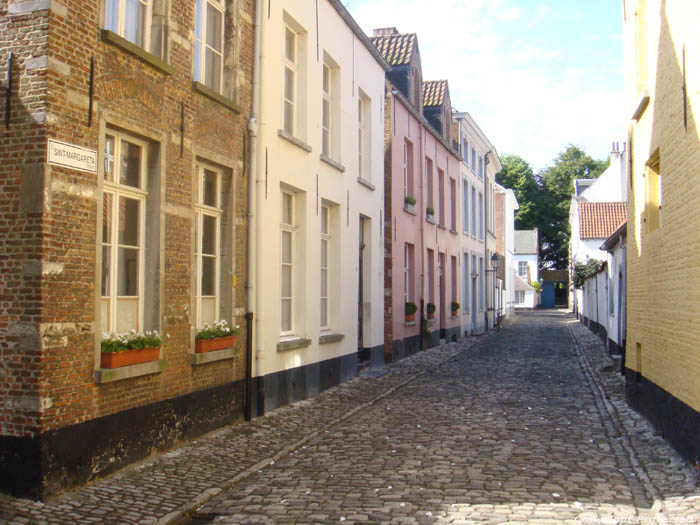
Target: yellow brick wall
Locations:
point(664, 264)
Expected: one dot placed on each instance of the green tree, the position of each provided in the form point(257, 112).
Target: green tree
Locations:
point(558, 187)
point(517, 175)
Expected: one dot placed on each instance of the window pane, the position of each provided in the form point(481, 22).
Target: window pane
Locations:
point(212, 70)
point(288, 84)
point(286, 315)
point(112, 15)
point(127, 280)
point(199, 14)
point(208, 235)
point(106, 275)
point(130, 169)
point(287, 216)
point(289, 45)
point(207, 315)
point(104, 315)
point(288, 118)
point(109, 158)
point(324, 254)
point(326, 79)
point(128, 221)
point(286, 247)
point(208, 275)
point(324, 283)
point(127, 315)
point(135, 22)
point(286, 281)
point(214, 28)
point(107, 218)
point(324, 220)
point(324, 312)
point(209, 188)
point(198, 61)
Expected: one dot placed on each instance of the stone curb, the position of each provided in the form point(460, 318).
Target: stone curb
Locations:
point(601, 395)
point(185, 511)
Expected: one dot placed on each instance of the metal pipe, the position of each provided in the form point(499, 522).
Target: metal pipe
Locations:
point(254, 181)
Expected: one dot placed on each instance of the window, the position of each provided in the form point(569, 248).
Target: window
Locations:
point(453, 278)
point(473, 163)
point(466, 278)
point(453, 205)
point(481, 215)
point(325, 263)
point(123, 233)
point(431, 276)
point(429, 181)
point(209, 43)
point(130, 19)
point(522, 268)
point(441, 197)
point(408, 272)
point(465, 206)
point(473, 211)
point(481, 284)
point(653, 194)
point(481, 167)
point(519, 297)
point(287, 228)
point(330, 110)
point(290, 80)
point(408, 168)
point(364, 136)
point(326, 112)
point(208, 213)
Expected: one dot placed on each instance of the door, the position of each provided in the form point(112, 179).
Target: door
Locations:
point(360, 287)
point(473, 304)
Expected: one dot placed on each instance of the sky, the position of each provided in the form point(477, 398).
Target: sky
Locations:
point(536, 75)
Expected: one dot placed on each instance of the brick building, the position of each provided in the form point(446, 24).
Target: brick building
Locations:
point(662, 355)
point(123, 135)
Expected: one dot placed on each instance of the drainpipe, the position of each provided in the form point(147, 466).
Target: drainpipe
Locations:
point(486, 244)
point(421, 215)
point(254, 194)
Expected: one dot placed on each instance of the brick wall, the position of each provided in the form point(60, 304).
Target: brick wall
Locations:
point(49, 287)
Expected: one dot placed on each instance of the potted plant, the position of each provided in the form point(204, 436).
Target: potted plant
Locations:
point(454, 307)
point(430, 211)
point(217, 336)
point(132, 348)
point(409, 200)
point(430, 308)
point(411, 309)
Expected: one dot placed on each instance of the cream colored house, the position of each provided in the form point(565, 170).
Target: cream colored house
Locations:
point(317, 203)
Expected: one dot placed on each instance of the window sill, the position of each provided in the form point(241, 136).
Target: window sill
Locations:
point(293, 344)
point(409, 209)
point(410, 323)
point(211, 357)
point(330, 338)
point(290, 138)
point(108, 375)
point(453, 231)
point(429, 218)
point(641, 105)
point(332, 163)
point(131, 48)
point(441, 227)
point(203, 90)
point(366, 183)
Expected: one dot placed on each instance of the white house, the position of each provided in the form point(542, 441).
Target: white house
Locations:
point(318, 202)
point(616, 248)
point(526, 264)
point(510, 207)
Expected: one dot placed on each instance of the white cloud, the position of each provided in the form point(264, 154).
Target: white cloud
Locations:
point(524, 92)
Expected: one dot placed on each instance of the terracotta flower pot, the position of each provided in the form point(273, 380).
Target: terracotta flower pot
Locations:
point(209, 345)
point(431, 315)
point(410, 318)
point(129, 357)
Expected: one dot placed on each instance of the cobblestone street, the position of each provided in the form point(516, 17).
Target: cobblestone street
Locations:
point(528, 425)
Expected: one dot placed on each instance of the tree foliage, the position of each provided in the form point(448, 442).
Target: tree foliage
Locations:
point(544, 199)
point(583, 271)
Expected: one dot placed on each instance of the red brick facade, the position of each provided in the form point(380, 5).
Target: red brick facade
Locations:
point(49, 215)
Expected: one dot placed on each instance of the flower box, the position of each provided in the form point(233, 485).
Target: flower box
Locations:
point(209, 345)
point(431, 315)
point(129, 357)
point(410, 318)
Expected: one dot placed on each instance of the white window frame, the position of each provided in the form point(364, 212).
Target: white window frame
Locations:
point(290, 64)
point(287, 228)
point(202, 210)
point(481, 284)
point(325, 245)
point(474, 222)
point(519, 296)
point(472, 165)
point(465, 205)
point(521, 265)
point(327, 111)
point(121, 21)
point(364, 146)
point(481, 215)
point(199, 62)
point(118, 191)
point(465, 284)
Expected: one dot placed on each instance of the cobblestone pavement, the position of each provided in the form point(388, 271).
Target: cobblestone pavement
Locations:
point(525, 426)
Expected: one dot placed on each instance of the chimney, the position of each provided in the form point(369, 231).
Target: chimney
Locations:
point(386, 31)
point(615, 153)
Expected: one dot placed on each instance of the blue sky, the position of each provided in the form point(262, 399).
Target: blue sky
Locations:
point(536, 75)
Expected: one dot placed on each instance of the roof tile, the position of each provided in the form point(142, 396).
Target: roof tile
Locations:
point(598, 220)
point(396, 49)
point(434, 92)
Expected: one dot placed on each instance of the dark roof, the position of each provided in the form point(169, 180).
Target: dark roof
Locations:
point(396, 49)
point(598, 220)
point(434, 92)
